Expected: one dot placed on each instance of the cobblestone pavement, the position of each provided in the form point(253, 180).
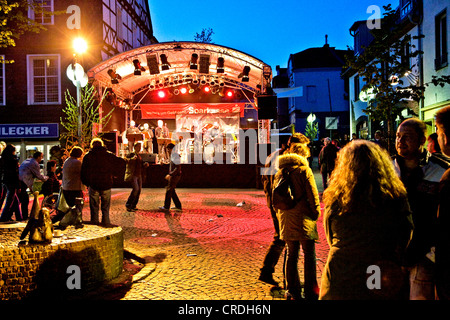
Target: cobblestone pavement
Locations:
point(212, 250)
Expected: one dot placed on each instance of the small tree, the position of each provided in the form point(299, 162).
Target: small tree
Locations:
point(14, 21)
point(90, 116)
point(205, 36)
point(382, 65)
point(312, 130)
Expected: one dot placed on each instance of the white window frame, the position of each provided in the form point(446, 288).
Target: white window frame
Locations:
point(30, 78)
point(31, 15)
point(2, 81)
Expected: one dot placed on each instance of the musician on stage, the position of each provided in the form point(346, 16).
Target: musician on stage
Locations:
point(161, 134)
point(132, 130)
point(216, 138)
point(148, 138)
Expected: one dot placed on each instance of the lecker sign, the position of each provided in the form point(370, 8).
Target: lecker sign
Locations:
point(170, 111)
point(29, 130)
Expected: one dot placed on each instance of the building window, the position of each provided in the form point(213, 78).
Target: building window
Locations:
point(42, 12)
point(356, 88)
point(311, 94)
point(441, 59)
point(406, 55)
point(2, 81)
point(44, 83)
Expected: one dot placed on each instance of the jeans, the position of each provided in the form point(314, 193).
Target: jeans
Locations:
point(24, 200)
point(136, 185)
point(275, 248)
point(95, 196)
point(2, 194)
point(171, 193)
point(12, 204)
point(292, 278)
point(421, 281)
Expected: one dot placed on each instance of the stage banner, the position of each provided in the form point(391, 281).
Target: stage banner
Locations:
point(171, 111)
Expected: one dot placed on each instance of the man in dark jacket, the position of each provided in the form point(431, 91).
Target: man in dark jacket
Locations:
point(172, 178)
point(98, 169)
point(420, 172)
point(443, 216)
point(134, 175)
point(327, 157)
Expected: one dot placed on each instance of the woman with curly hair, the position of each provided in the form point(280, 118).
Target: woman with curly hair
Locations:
point(368, 225)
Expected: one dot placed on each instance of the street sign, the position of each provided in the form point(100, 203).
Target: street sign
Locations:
point(331, 123)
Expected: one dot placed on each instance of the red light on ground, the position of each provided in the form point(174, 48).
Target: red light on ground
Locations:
point(183, 90)
point(161, 94)
point(206, 89)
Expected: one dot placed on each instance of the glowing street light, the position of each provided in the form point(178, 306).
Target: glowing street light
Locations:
point(79, 78)
point(80, 45)
point(311, 118)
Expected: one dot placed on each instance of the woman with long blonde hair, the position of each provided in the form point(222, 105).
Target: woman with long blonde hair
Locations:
point(368, 225)
point(298, 225)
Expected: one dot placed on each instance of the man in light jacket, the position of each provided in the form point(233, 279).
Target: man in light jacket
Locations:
point(28, 171)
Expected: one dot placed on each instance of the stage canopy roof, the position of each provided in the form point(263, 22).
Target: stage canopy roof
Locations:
point(177, 56)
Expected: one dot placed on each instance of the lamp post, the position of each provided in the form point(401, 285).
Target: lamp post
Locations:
point(76, 74)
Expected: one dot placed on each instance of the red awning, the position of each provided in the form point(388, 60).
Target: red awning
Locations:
point(170, 111)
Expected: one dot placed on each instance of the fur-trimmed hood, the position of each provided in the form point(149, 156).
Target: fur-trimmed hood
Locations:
point(291, 160)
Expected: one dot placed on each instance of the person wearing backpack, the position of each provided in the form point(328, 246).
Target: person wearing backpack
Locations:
point(298, 223)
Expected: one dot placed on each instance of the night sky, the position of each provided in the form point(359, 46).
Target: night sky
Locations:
point(269, 30)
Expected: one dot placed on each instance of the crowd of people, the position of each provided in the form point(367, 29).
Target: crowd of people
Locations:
point(380, 212)
point(383, 213)
point(93, 171)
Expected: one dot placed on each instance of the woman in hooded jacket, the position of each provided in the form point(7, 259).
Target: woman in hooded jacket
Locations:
point(298, 225)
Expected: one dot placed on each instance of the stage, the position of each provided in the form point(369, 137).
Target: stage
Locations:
point(204, 176)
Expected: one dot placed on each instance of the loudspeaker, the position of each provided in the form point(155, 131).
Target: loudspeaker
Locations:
point(267, 107)
point(111, 141)
point(152, 63)
point(204, 63)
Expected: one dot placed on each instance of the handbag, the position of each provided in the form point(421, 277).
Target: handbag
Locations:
point(61, 204)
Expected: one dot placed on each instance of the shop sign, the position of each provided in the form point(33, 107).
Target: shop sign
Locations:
point(29, 130)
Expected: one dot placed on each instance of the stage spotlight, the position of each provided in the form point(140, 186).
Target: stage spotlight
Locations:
point(229, 94)
point(176, 91)
point(183, 90)
point(152, 85)
point(194, 79)
point(193, 63)
point(203, 80)
point(165, 65)
point(161, 94)
point(137, 67)
point(115, 77)
point(206, 89)
point(220, 65)
point(244, 74)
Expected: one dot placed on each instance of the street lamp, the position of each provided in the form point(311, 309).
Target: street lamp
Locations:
point(79, 78)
